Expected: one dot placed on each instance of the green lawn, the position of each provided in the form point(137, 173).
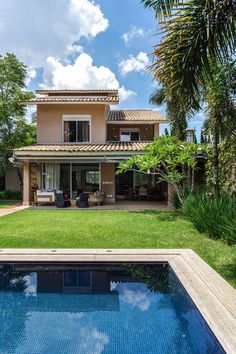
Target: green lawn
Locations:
point(114, 229)
point(6, 204)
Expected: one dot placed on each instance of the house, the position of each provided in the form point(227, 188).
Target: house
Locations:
point(81, 140)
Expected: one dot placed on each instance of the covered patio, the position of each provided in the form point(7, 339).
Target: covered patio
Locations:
point(88, 168)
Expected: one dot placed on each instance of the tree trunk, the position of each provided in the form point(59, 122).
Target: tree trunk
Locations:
point(215, 164)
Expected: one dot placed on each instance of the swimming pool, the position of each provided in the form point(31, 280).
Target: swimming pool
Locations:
point(93, 308)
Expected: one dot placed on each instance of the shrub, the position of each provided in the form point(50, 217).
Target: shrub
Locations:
point(175, 201)
point(186, 192)
point(10, 195)
point(215, 217)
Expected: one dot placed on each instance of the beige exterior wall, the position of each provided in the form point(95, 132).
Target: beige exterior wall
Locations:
point(49, 121)
point(12, 182)
point(108, 181)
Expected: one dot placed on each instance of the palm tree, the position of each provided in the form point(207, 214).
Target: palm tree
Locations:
point(220, 110)
point(196, 32)
point(177, 116)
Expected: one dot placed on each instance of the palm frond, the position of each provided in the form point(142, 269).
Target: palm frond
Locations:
point(162, 7)
point(219, 97)
point(158, 97)
point(177, 115)
point(201, 32)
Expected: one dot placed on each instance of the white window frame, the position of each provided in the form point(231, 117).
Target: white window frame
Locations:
point(98, 176)
point(76, 118)
point(129, 130)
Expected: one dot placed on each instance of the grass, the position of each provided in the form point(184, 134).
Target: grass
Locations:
point(6, 204)
point(114, 229)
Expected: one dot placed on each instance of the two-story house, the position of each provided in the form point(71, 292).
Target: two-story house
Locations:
point(81, 140)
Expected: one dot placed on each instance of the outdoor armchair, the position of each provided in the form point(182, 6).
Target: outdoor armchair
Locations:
point(60, 202)
point(82, 202)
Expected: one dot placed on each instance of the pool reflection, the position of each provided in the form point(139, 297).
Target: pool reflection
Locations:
point(99, 308)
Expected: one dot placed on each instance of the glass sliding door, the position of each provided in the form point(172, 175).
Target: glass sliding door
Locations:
point(65, 178)
point(51, 176)
point(143, 180)
point(85, 178)
point(71, 178)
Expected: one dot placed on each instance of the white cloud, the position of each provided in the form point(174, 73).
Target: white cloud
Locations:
point(74, 48)
point(82, 74)
point(89, 16)
point(135, 294)
point(30, 111)
point(133, 33)
point(125, 94)
point(36, 30)
point(137, 64)
point(89, 339)
point(93, 341)
point(31, 74)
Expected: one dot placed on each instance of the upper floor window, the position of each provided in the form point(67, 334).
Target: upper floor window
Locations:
point(129, 134)
point(76, 129)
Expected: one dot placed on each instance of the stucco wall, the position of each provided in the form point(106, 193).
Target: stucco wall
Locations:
point(146, 131)
point(49, 121)
point(12, 182)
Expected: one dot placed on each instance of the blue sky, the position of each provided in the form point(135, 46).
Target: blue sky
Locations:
point(84, 44)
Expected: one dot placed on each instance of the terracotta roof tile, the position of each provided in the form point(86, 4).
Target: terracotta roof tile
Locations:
point(134, 116)
point(77, 91)
point(84, 148)
point(74, 99)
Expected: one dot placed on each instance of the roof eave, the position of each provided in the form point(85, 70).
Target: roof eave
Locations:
point(24, 155)
point(31, 103)
point(79, 91)
point(136, 121)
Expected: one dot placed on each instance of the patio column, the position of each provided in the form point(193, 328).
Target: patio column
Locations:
point(156, 130)
point(108, 181)
point(26, 183)
point(170, 189)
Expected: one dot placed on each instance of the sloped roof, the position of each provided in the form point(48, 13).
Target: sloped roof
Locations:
point(134, 115)
point(83, 148)
point(68, 91)
point(73, 99)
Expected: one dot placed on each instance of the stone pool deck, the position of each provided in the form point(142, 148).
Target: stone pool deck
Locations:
point(213, 296)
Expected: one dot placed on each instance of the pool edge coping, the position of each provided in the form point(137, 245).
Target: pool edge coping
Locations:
point(213, 296)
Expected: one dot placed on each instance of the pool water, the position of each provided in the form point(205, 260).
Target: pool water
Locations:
point(99, 308)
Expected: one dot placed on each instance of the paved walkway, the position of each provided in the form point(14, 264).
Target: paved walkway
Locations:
point(119, 205)
point(7, 211)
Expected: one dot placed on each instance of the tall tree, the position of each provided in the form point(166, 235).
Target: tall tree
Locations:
point(196, 32)
point(14, 130)
point(198, 37)
point(220, 110)
point(176, 114)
